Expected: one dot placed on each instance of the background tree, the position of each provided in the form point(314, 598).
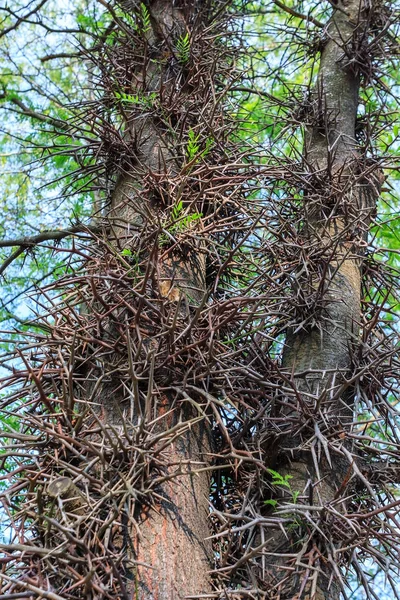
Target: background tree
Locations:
point(203, 402)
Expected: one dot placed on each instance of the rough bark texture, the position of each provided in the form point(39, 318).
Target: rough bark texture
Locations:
point(317, 357)
point(172, 554)
point(330, 149)
point(173, 533)
point(325, 350)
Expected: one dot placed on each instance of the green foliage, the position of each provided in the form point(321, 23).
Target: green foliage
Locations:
point(179, 223)
point(32, 190)
point(193, 147)
point(132, 263)
point(182, 221)
point(145, 16)
point(281, 481)
point(183, 49)
point(89, 22)
point(177, 211)
point(140, 22)
point(138, 100)
point(271, 502)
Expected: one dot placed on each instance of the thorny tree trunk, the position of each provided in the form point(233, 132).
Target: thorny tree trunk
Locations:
point(115, 502)
point(172, 553)
point(318, 354)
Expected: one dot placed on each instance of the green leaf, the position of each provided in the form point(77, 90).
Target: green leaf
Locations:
point(145, 17)
point(271, 502)
point(295, 496)
point(278, 479)
point(176, 211)
point(193, 146)
point(183, 49)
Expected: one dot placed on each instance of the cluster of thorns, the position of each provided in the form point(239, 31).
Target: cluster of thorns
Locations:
point(108, 329)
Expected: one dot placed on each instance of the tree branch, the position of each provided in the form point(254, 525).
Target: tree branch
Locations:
point(44, 236)
point(61, 55)
point(28, 242)
point(32, 113)
point(299, 15)
point(11, 259)
point(21, 19)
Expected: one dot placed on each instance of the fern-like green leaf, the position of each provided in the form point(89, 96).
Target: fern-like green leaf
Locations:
point(145, 17)
point(183, 49)
point(193, 146)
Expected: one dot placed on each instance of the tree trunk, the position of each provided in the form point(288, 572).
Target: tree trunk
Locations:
point(319, 347)
point(168, 547)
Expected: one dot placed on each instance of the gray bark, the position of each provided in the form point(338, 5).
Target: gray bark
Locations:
point(318, 355)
